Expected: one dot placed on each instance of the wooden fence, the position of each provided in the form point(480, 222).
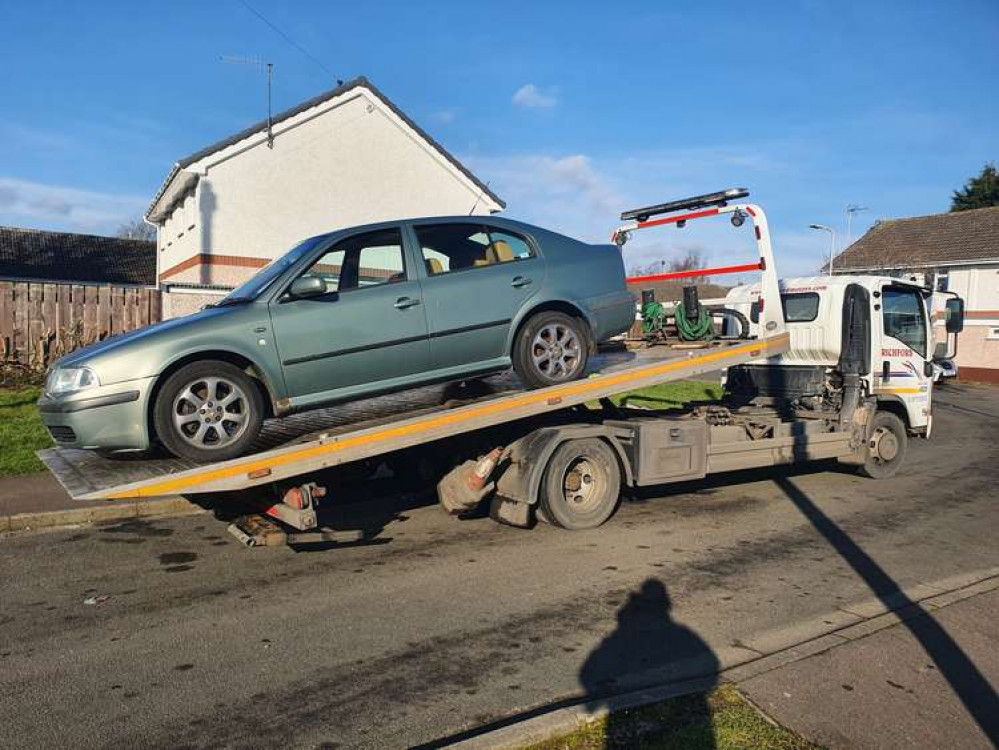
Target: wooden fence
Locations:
point(41, 322)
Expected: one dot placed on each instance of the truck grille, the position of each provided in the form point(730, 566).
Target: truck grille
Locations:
point(62, 434)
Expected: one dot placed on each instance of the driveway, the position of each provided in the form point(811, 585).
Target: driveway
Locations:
point(415, 626)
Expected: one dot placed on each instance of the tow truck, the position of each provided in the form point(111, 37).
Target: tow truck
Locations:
point(827, 368)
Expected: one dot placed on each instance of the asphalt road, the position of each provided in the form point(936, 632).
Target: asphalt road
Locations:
point(424, 627)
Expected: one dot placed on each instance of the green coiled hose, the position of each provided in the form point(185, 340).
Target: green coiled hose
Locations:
point(700, 329)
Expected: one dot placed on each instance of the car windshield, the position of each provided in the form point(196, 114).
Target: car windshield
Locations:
point(262, 279)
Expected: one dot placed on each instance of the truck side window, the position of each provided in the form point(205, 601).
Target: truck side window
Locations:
point(903, 318)
point(799, 307)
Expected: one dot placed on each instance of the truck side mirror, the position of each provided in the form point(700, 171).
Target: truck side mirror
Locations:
point(940, 351)
point(954, 315)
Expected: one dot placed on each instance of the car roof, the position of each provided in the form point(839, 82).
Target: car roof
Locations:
point(492, 220)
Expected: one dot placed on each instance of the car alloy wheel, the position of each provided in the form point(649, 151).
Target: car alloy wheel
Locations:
point(556, 352)
point(210, 413)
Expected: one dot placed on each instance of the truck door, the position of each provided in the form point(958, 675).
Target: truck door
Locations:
point(901, 371)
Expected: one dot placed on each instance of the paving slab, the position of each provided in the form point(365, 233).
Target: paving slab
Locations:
point(929, 682)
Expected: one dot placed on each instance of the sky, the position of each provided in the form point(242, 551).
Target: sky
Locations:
point(572, 112)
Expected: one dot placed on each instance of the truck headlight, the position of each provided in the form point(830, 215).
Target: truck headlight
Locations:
point(71, 379)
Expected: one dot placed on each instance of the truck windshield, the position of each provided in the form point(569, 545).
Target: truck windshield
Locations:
point(266, 276)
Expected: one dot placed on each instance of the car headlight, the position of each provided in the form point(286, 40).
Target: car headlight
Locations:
point(70, 379)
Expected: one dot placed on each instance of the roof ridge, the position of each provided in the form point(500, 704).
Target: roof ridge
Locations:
point(315, 101)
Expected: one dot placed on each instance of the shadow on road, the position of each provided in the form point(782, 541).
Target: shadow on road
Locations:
point(968, 683)
point(648, 647)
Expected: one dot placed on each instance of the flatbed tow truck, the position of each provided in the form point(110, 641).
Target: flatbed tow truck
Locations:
point(551, 454)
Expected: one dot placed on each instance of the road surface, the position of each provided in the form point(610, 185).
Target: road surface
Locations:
point(422, 627)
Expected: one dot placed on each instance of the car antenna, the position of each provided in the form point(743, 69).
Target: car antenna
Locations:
point(476, 204)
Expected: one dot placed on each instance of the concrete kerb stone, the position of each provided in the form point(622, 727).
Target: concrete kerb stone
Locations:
point(929, 597)
point(169, 506)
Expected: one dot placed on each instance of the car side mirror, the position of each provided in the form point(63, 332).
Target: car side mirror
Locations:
point(307, 286)
point(954, 315)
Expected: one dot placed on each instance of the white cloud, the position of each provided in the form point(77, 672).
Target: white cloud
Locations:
point(583, 195)
point(38, 205)
point(531, 97)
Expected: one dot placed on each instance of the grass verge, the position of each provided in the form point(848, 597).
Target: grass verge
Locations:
point(21, 432)
point(720, 720)
point(670, 395)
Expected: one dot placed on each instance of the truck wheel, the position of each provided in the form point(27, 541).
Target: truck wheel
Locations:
point(208, 411)
point(886, 446)
point(551, 348)
point(581, 484)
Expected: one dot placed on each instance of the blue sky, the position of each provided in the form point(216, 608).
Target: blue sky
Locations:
point(571, 111)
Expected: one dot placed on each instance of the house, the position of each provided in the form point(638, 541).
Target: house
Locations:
point(33, 255)
point(344, 158)
point(956, 252)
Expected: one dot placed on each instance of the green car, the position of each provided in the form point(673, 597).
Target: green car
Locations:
point(343, 316)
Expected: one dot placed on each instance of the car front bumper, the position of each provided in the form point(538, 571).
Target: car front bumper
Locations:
point(111, 417)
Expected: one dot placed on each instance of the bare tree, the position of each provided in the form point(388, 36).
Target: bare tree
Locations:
point(136, 229)
point(689, 261)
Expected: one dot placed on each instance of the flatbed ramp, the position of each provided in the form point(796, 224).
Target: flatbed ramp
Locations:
point(379, 426)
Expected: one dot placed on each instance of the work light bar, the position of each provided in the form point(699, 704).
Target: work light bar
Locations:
point(698, 201)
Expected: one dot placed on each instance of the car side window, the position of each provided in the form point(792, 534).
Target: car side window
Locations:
point(365, 260)
point(903, 318)
point(455, 247)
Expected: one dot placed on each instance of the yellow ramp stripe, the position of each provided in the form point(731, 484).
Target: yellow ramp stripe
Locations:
point(459, 415)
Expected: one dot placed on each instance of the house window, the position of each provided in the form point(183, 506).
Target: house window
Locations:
point(993, 334)
point(455, 247)
point(943, 281)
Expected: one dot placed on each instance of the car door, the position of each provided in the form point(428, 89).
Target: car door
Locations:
point(477, 278)
point(904, 351)
point(367, 331)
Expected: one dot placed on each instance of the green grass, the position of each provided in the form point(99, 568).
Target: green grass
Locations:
point(722, 719)
point(670, 395)
point(21, 432)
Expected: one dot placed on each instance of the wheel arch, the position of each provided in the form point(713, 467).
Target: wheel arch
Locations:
point(555, 305)
point(541, 445)
point(896, 406)
point(255, 372)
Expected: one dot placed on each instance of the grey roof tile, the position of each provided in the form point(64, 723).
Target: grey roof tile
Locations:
point(80, 258)
point(960, 237)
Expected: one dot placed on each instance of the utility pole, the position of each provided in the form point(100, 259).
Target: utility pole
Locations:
point(852, 209)
point(259, 64)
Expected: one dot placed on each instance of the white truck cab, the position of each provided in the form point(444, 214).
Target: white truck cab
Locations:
point(877, 326)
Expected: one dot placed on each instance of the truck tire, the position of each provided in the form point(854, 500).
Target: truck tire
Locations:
point(581, 484)
point(208, 411)
point(886, 446)
point(550, 348)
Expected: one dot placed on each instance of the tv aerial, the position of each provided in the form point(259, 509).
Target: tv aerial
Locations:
point(261, 65)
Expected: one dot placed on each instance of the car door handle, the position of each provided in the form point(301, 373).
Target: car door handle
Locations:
point(403, 302)
point(519, 281)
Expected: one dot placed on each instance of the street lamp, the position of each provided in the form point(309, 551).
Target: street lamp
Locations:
point(832, 241)
point(852, 209)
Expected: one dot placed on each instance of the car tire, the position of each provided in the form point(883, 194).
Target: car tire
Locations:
point(208, 411)
point(887, 442)
point(551, 348)
point(581, 485)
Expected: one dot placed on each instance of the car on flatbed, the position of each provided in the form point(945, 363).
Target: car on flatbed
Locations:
point(342, 316)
